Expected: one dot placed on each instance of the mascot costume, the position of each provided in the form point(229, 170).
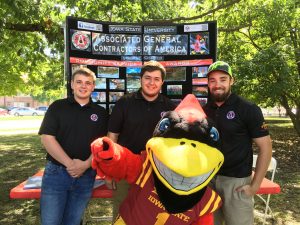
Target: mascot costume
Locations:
point(169, 180)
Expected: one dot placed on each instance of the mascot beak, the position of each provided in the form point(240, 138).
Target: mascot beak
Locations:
point(184, 166)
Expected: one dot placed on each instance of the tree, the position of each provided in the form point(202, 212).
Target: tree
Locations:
point(261, 40)
point(265, 52)
point(32, 44)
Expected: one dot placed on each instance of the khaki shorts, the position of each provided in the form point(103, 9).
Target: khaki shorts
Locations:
point(237, 208)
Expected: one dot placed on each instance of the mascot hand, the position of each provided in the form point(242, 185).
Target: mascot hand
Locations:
point(114, 161)
point(103, 149)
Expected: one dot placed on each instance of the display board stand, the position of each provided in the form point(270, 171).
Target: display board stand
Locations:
point(116, 52)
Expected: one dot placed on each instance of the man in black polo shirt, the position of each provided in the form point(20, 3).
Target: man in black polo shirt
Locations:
point(69, 127)
point(240, 123)
point(135, 116)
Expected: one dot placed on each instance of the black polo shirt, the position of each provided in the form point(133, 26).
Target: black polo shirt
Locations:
point(238, 121)
point(74, 126)
point(135, 118)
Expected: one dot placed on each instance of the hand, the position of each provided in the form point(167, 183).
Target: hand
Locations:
point(247, 189)
point(77, 168)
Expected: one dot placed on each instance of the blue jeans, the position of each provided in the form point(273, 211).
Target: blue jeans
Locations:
point(64, 198)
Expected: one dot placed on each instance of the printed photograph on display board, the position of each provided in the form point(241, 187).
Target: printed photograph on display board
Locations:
point(199, 43)
point(80, 40)
point(133, 72)
point(108, 72)
point(117, 84)
point(176, 101)
point(199, 71)
point(202, 101)
point(200, 81)
point(115, 96)
point(130, 90)
point(100, 83)
point(133, 78)
point(200, 91)
point(77, 66)
point(175, 74)
point(110, 108)
point(174, 89)
point(103, 105)
point(133, 83)
point(98, 96)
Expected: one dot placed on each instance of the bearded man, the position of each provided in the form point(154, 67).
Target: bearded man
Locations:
point(240, 123)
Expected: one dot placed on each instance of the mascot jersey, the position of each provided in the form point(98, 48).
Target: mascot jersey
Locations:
point(142, 206)
point(169, 180)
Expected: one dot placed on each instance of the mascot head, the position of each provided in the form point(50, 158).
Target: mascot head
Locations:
point(184, 155)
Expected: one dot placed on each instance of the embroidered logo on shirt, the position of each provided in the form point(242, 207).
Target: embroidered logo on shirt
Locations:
point(94, 117)
point(230, 115)
point(264, 126)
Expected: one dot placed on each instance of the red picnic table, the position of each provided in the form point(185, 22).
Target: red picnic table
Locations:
point(20, 193)
point(267, 187)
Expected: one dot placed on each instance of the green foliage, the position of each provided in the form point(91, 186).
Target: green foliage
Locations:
point(32, 44)
point(261, 40)
point(23, 46)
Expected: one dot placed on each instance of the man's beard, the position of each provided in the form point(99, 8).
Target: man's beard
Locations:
point(220, 97)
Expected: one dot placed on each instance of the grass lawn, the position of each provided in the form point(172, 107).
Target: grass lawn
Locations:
point(12, 118)
point(22, 155)
point(19, 124)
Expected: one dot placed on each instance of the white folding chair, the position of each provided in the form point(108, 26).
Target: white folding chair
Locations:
point(272, 170)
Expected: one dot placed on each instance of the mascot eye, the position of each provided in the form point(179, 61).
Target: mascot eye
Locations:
point(214, 134)
point(164, 124)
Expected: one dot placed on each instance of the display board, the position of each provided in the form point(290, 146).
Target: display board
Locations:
point(116, 52)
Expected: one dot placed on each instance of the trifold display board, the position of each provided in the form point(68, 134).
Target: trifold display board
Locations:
point(116, 52)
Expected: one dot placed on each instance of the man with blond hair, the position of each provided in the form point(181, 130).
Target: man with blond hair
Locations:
point(68, 128)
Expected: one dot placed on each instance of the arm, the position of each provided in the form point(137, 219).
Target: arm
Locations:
point(113, 136)
point(263, 160)
point(55, 150)
point(79, 166)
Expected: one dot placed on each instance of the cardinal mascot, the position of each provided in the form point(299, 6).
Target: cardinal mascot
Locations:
point(169, 179)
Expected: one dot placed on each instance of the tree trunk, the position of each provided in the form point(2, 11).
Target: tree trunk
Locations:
point(294, 115)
